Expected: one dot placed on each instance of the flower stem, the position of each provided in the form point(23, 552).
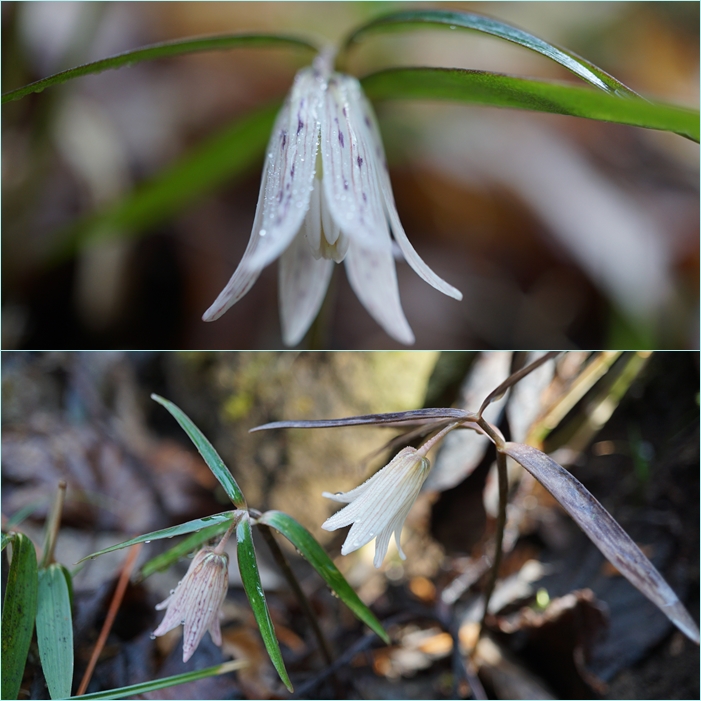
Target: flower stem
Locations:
point(219, 549)
point(425, 447)
point(498, 539)
point(53, 525)
point(284, 565)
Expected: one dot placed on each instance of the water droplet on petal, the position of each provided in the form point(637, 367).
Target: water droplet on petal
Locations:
point(262, 232)
point(147, 542)
point(152, 636)
point(182, 622)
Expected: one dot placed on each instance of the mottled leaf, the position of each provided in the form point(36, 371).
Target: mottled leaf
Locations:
point(605, 532)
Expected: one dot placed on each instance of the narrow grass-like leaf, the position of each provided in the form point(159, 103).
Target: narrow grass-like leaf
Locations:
point(69, 582)
point(207, 451)
point(177, 47)
point(605, 532)
point(21, 514)
point(497, 90)
point(305, 542)
point(144, 687)
point(6, 540)
point(192, 542)
point(426, 19)
point(18, 613)
point(401, 418)
point(227, 154)
point(248, 567)
point(55, 631)
point(197, 524)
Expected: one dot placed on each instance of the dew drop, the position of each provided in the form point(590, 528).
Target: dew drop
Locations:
point(262, 232)
point(182, 621)
point(147, 542)
point(172, 591)
point(452, 26)
point(152, 636)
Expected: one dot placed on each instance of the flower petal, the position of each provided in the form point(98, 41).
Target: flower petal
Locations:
point(373, 277)
point(370, 126)
point(350, 183)
point(292, 157)
point(302, 286)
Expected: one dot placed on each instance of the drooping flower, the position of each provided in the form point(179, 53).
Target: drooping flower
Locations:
point(379, 506)
point(326, 197)
point(196, 601)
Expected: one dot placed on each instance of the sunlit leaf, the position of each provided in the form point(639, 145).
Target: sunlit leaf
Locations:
point(18, 612)
point(55, 631)
point(197, 524)
point(248, 567)
point(304, 541)
point(497, 90)
point(605, 532)
point(426, 19)
point(145, 687)
point(229, 153)
point(207, 451)
point(177, 47)
point(165, 560)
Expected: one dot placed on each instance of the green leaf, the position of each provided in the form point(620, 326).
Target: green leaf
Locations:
point(248, 567)
point(497, 90)
point(196, 525)
point(305, 542)
point(6, 540)
point(225, 155)
point(166, 559)
point(206, 450)
point(426, 19)
point(18, 612)
point(69, 582)
point(177, 47)
point(55, 631)
point(144, 687)
point(21, 514)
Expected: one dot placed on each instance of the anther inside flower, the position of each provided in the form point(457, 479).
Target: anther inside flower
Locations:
point(326, 197)
point(196, 601)
point(379, 506)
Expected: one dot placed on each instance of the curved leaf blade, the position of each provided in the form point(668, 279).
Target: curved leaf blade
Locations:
point(144, 687)
point(165, 560)
point(498, 90)
point(18, 613)
point(305, 542)
point(248, 566)
point(227, 154)
point(226, 517)
point(55, 631)
point(177, 47)
point(423, 19)
point(207, 451)
point(605, 532)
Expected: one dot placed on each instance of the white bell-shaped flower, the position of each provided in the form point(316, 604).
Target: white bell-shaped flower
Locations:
point(326, 197)
point(379, 506)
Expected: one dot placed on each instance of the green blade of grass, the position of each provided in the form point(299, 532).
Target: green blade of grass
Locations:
point(18, 613)
point(197, 524)
point(55, 631)
point(497, 90)
point(144, 687)
point(207, 451)
point(427, 19)
point(305, 542)
point(177, 47)
point(166, 559)
point(227, 154)
point(248, 566)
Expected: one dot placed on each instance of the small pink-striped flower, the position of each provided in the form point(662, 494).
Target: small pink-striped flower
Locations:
point(326, 197)
point(379, 506)
point(196, 601)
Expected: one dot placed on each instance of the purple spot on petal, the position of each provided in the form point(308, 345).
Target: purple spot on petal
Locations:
point(365, 197)
point(279, 196)
point(345, 114)
point(340, 138)
point(345, 184)
point(292, 171)
point(367, 122)
point(360, 162)
point(283, 134)
point(300, 125)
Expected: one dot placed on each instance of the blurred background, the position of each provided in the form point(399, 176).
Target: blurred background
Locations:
point(560, 232)
point(564, 623)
